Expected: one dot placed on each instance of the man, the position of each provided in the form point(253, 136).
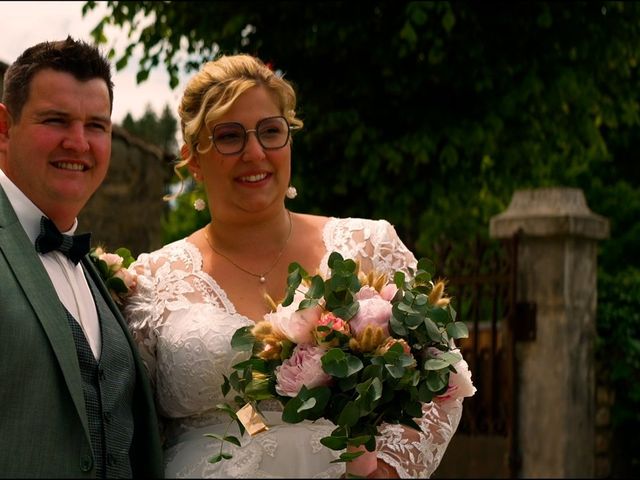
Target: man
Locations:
point(74, 397)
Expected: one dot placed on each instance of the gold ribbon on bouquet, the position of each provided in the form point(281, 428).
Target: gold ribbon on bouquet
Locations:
point(252, 420)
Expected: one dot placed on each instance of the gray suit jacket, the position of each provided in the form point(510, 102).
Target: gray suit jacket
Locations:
point(43, 423)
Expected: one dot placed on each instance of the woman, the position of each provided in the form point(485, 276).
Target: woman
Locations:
point(236, 119)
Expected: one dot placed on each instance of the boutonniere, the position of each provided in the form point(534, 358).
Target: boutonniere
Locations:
point(114, 273)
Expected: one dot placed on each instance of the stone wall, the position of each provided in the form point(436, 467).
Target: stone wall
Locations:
point(128, 208)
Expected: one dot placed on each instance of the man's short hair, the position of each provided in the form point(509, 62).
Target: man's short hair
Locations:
point(76, 57)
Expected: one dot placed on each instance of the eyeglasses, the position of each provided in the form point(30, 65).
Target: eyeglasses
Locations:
point(231, 137)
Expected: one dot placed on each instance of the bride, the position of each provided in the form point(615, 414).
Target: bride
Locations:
point(236, 119)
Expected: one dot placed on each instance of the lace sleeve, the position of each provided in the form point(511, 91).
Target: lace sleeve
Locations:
point(142, 313)
point(413, 453)
point(417, 454)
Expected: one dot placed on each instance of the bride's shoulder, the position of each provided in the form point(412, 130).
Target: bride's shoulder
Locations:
point(369, 226)
point(179, 252)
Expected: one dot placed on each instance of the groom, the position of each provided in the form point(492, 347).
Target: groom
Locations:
point(74, 397)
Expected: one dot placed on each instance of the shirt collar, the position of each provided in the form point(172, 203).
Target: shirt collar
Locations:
point(28, 214)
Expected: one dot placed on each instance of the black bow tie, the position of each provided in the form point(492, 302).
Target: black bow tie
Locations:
point(75, 247)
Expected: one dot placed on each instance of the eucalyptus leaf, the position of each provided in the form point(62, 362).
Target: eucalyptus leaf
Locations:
point(243, 339)
point(316, 289)
point(307, 404)
point(433, 331)
point(350, 415)
point(439, 315)
point(437, 382)
point(334, 442)
point(457, 330)
point(427, 265)
point(435, 364)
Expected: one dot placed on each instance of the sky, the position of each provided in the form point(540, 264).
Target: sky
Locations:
point(23, 24)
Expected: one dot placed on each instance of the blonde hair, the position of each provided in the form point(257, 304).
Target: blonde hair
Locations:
point(216, 87)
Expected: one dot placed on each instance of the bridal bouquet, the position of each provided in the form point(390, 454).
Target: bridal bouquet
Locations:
point(113, 270)
point(354, 349)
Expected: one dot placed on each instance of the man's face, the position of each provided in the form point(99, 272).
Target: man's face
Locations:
point(58, 152)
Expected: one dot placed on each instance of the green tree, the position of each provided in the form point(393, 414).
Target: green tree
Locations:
point(442, 108)
point(431, 114)
point(156, 131)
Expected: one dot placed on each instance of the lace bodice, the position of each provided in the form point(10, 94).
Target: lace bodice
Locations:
point(183, 321)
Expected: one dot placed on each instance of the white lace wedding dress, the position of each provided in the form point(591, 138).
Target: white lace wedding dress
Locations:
point(183, 322)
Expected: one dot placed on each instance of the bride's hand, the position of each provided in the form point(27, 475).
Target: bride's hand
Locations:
point(384, 470)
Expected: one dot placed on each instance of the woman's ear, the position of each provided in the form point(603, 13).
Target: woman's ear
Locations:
point(193, 165)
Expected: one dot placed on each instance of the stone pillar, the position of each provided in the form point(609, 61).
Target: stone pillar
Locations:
point(556, 369)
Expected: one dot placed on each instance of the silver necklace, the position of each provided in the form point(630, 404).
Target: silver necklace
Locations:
point(262, 277)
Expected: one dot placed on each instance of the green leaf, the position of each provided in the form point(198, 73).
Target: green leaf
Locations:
point(127, 257)
point(369, 394)
point(436, 381)
point(316, 289)
point(439, 315)
point(395, 371)
point(243, 339)
point(350, 415)
point(308, 404)
point(398, 279)
point(457, 330)
point(432, 330)
point(435, 364)
point(224, 438)
point(334, 442)
point(340, 364)
point(225, 407)
point(427, 265)
point(396, 324)
point(117, 285)
point(334, 259)
point(347, 312)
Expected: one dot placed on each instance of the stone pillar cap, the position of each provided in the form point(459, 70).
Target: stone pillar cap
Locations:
point(546, 212)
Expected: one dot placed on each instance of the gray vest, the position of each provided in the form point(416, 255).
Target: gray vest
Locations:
point(108, 386)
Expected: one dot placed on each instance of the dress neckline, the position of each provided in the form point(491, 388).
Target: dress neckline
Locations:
point(198, 264)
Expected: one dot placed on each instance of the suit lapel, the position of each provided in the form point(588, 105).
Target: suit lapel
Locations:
point(29, 272)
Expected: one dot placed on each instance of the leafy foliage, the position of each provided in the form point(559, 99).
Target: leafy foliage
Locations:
point(445, 107)
point(156, 131)
point(619, 352)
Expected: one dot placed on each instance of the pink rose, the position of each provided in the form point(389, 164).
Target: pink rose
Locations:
point(297, 326)
point(113, 261)
point(334, 323)
point(304, 367)
point(374, 310)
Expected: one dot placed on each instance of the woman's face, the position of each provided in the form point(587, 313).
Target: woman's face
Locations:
point(252, 180)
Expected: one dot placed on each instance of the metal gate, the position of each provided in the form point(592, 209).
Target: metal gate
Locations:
point(481, 278)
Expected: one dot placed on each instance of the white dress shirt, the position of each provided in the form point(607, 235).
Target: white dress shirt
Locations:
point(68, 279)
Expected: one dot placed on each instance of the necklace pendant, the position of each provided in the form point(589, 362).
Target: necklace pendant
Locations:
point(262, 279)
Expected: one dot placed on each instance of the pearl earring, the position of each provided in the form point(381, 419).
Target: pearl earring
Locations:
point(291, 192)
